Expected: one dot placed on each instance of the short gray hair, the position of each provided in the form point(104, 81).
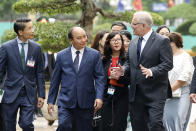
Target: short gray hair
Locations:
point(144, 18)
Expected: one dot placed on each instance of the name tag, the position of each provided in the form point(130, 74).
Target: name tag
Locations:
point(111, 91)
point(31, 63)
point(1, 94)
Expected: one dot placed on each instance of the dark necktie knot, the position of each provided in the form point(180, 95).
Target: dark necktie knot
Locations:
point(141, 38)
point(77, 52)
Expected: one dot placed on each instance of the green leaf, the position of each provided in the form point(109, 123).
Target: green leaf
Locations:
point(52, 36)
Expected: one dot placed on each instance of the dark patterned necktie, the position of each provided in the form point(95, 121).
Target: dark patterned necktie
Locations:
point(139, 45)
point(22, 54)
point(76, 61)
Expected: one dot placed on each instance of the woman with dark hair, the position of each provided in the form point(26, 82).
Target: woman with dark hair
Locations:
point(126, 38)
point(99, 40)
point(177, 108)
point(163, 30)
point(115, 101)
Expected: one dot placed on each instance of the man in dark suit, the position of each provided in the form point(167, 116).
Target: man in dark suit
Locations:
point(193, 83)
point(148, 60)
point(193, 88)
point(80, 72)
point(194, 61)
point(21, 59)
point(118, 26)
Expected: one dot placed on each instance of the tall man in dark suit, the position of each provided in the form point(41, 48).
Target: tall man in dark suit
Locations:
point(21, 58)
point(80, 72)
point(148, 60)
point(193, 84)
point(193, 88)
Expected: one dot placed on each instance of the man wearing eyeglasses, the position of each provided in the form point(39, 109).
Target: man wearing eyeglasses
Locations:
point(148, 61)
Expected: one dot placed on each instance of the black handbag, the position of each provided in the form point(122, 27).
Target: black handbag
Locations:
point(97, 122)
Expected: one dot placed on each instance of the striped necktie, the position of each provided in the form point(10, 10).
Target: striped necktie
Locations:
point(76, 61)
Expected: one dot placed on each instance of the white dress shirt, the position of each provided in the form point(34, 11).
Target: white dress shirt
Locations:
point(20, 46)
point(73, 52)
point(145, 39)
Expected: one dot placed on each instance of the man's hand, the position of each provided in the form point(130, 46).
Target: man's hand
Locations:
point(98, 104)
point(193, 97)
point(40, 102)
point(145, 71)
point(50, 109)
point(116, 72)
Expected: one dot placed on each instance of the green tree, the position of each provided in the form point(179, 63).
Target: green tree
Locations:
point(87, 7)
point(6, 10)
point(52, 36)
point(188, 13)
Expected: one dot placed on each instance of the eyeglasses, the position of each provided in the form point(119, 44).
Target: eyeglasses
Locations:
point(135, 24)
point(115, 40)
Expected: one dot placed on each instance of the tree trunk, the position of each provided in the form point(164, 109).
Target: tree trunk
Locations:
point(88, 15)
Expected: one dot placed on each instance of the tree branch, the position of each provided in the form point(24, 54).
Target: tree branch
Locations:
point(108, 15)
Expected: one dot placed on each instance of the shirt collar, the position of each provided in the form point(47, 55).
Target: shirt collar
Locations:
point(147, 35)
point(74, 50)
point(19, 41)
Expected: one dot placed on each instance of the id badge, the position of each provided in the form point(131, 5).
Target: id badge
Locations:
point(31, 63)
point(111, 91)
point(1, 94)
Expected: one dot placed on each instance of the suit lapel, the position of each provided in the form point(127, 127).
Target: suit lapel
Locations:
point(29, 54)
point(68, 57)
point(84, 58)
point(148, 45)
point(17, 54)
point(69, 54)
point(133, 51)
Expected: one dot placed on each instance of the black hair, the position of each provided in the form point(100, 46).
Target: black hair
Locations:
point(161, 27)
point(108, 50)
point(70, 35)
point(97, 38)
point(126, 33)
point(19, 24)
point(118, 23)
point(176, 38)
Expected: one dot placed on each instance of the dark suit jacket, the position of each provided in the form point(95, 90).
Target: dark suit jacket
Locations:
point(157, 56)
point(81, 87)
point(194, 61)
point(32, 77)
point(50, 67)
point(120, 91)
point(193, 83)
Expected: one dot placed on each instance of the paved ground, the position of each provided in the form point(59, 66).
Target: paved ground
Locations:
point(41, 124)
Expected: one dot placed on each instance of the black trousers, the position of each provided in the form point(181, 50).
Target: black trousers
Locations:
point(1, 126)
point(145, 114)
point(115, 112)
